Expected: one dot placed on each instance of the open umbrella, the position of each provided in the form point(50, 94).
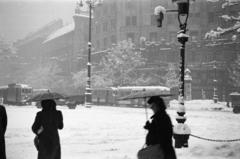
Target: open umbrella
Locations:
point(47, 95)
point(146, 94)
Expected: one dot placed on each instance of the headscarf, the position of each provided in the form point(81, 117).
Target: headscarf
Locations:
point(48, 105)
point(158, 101)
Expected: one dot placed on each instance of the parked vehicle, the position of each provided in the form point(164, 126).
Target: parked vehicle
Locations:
point(16, 94)
point(235, 99)
point(73, 100)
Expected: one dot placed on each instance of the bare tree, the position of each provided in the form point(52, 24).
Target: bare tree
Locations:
point(121, 63)
point(231, 19)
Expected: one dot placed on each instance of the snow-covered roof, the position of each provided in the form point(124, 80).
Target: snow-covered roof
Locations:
point(146, 88)
point(24, 86)
point(4, 87)
point(83, 15)
point(234, 94)
point(60, 32)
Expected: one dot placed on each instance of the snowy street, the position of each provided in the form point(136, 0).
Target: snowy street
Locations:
point(107, 58)
point(117, 133)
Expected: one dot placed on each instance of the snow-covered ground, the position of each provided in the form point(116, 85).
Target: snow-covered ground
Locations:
point(202, 105)
point(117, 133)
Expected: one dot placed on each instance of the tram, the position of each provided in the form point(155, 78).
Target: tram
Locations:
point(110, 95)
point(15, 93)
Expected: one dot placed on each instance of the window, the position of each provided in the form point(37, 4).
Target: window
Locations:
point(194, 35)
point(131, 20)
point(153, 20)
point(172, 37)
point(129, 5)
point(220, 56)
point(131, 36)
point(153, 36)
point(98, 44)
point(105, 43)
point(134, 20)
point(197, 15)
point(85, 37)
point(106, 9)
point(113, 39)
point(113, 24)
point(233, 13)
point(204, 77)
point(211, 17)
point(170, 18)
point(105, 27)
point(98, 29)
point(128, 21)
point(113, 7)
point(194, 38)
point(98, 12)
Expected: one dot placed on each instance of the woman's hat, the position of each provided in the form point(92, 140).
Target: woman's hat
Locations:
point(157, 100)
point(154, 99)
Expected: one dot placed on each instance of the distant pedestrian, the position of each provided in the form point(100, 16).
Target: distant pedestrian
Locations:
point(3, 128)
point(160, 129)
point(45, 126)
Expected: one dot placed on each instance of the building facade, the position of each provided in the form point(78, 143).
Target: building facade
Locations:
point(116, 20)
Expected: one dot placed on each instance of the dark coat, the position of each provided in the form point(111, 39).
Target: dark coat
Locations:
point(160, 131)
point(49, 142)
point(3, 128)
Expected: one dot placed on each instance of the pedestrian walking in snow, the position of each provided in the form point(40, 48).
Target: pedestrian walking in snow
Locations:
point(46, 125)
point(3, 128)
point(160, 130)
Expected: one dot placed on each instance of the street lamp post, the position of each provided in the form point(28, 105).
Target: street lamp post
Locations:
point(183, 11)
point(88, 91)
point(181, 130)
point(215, 96)
point(213, 46)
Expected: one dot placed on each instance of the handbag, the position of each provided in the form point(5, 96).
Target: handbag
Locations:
point(151, 152)
point(36, 142)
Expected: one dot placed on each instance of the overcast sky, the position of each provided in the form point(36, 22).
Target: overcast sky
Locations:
point(20, 17)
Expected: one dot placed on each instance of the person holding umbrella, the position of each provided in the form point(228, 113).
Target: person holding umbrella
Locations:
point(46, 125)
point(3, 128)
point(160, 131)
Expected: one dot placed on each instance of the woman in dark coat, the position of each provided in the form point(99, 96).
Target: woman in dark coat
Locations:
point(45, 126)
point(3, 127)
point(160, 130)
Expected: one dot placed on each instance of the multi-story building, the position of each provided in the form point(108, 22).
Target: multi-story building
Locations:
point(134, 20)
point(115, 21)
point(29, 50)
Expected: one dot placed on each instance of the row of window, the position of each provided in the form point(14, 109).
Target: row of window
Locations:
point(106, 42)
point(213, 17)
point(131, 20)
point(104, 9)
point(207, 77)
point(106, 26)
point(153, 36)
point(111, 25)
point(172, 36)
point(170, 18)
